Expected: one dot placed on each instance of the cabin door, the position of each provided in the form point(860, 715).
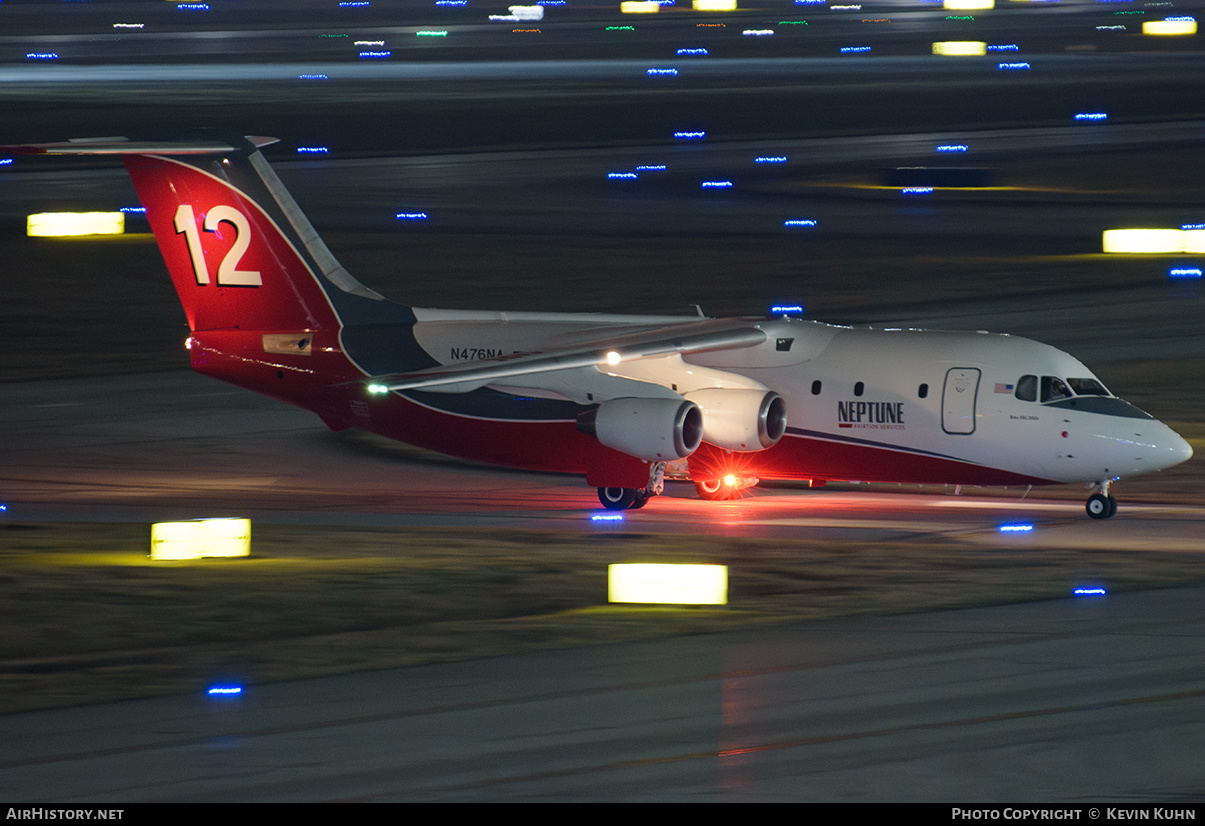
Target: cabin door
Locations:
point(958, 400)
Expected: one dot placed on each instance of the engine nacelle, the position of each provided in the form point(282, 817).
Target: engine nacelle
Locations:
point(741, 420)
point(656, 430)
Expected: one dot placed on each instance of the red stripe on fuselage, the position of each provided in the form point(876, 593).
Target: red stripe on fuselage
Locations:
point(328, 384)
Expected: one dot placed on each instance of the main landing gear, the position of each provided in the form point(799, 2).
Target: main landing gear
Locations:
point(630, 499)
point(1102, 505)
point(622, 499)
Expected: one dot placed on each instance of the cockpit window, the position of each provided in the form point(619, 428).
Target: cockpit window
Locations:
point(1054, 389)
point(1087, 387)
point(1027, 389)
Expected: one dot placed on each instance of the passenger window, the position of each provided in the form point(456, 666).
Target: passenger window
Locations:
point(1027, 389)
point(922, 391)
point(858, 388)
point(816, 387)
point(1054, 389)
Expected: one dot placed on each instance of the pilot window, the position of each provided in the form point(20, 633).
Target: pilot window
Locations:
point(1087, 387)
point(1054, 389)
point(1027, 389)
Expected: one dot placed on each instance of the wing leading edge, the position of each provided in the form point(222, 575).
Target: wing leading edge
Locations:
point(604, 354)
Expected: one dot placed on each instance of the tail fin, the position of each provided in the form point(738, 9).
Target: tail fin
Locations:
point(241, 253)
point(239, 250)
point(255, 280)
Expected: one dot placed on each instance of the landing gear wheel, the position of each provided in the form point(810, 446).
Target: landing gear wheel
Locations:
point(1100, 506)
point(640, 501)
point(714, 490)
point(619, 499)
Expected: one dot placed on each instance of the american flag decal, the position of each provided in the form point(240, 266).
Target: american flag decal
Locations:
point(1004, 388)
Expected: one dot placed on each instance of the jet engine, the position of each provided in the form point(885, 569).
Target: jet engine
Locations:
point(656, 430)
point(741, 420)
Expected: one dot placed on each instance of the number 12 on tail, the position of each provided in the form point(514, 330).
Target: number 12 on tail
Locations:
point(229, 275)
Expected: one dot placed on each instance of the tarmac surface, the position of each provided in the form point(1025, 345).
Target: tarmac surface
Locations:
point(1065, 702)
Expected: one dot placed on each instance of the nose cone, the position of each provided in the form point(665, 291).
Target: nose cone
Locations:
point(1176, 449)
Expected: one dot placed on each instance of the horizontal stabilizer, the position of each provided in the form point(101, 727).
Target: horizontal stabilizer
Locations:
point(125, 146)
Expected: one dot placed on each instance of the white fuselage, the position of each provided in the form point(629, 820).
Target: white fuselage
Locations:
point(936, 396)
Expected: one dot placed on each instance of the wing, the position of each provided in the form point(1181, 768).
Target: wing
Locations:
point(586, 362)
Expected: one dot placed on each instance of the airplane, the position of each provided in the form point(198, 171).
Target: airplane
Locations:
point(628, 401)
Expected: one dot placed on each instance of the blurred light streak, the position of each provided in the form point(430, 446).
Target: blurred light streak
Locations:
point(73, 224)
point(1170, 27)
point(960, 48)
point(668, 584)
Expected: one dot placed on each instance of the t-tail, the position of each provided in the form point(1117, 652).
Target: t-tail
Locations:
point(268, 306)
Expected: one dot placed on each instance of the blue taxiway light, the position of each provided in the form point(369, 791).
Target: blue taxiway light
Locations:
point(224, 690)
point(690, 136)
point(411, 216)
point(1089, 592)
point(659, 167)
point(1184, 272)
point(607, 517)
point(799, 222)
point(313, 150)
point(952, 147)
point(312, 77)
point(770, 159)
point(917, 190)
point(787, 309)
point(1017, 527)
point(670, 72)
point(1016, 67)
point(1092, 116)
point(717, 184)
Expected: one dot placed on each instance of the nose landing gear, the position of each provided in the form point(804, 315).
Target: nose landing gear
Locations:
point(1101, 505)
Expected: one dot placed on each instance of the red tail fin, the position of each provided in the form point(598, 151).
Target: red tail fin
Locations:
point(232, 265)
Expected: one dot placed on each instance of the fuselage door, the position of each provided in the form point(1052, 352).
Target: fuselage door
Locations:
point(958, 400)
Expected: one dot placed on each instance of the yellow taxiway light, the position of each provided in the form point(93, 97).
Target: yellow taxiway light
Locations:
point(969, 5)
point(668, 584)
point(1154, 241)
point(639, 7)
point(69, 224)
point(960, 48)
point(197, 538)
point(713, 5)
point(1168, 27)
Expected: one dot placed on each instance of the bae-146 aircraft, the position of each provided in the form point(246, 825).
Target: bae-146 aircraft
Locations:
point(626, 400)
